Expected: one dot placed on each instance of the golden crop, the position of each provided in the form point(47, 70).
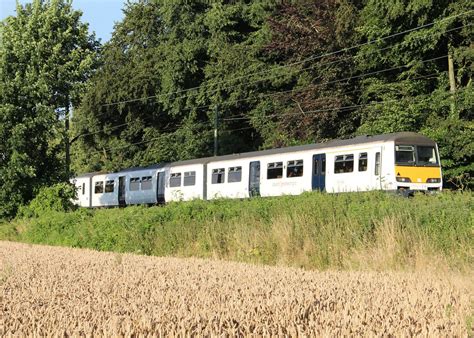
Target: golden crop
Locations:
point(56, 291)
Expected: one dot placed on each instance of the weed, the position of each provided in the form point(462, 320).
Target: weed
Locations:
point(372, 230)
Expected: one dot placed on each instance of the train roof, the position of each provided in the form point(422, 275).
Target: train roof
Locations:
point(153, 166)
point(88, 174)
point(403, 137)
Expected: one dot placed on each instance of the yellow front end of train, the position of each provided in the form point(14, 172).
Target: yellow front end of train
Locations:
point(417, 167)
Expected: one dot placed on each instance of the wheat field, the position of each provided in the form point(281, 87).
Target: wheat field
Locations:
point(62, 291)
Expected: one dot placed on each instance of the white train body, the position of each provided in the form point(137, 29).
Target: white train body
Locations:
point(400, 161)
point(83, 189)
point(184, 182)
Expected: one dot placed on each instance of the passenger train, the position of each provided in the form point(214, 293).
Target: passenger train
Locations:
point(400, 161)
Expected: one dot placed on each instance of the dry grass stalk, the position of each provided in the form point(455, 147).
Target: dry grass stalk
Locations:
point(56, 291)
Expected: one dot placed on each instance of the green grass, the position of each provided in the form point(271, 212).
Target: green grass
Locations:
point(344, 231)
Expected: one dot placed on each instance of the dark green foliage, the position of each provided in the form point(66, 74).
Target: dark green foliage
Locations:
point(313, 230)
point(417, 93)
point(164, 52)
point(279, 74)
point(57, 197)
point(305, 35)
point(46, 55)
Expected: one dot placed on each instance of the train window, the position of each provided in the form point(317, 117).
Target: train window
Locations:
point(344, 164)
point(147, 183)
point(175, 180)
point(426, 155)
point(377, 163)
point(218, 175)
point(363, 162)
point(189, 178)
point(135, 184)
point(235, 174)
point(404, 154)
point(274, 170)
point(99, 187)
point(109, 186)
point(323, 167)
point(83, 188)
point(294, 168)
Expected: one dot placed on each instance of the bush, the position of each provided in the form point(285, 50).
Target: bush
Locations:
point(373, 230)
point(58, 197)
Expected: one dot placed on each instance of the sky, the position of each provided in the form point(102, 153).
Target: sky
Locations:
point(100, 14)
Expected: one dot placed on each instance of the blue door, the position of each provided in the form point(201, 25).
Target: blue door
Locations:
point(121, 191)
point(319, 172)
point(160, 187)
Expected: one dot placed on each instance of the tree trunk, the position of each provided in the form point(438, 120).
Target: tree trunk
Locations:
point(66, 140)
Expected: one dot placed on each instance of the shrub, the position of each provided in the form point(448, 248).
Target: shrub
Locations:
point(57, 197)
point(373, 230)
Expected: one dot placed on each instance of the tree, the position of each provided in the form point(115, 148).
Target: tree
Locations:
point(164, 73)
point(46, 54)
point(307, 38)
point(415, 92)
point(168, 69)
point(277, 74)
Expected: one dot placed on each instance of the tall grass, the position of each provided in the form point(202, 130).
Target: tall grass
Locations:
point(344, 231)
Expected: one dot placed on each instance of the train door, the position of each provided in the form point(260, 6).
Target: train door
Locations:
point(204, 182)
point(121, 191)
point(254, 179)
point(377, 174)
point(319, 172)
point(89, 202)
point(160, 187)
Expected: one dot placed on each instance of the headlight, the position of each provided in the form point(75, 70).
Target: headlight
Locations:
point(403, 179)
point(433, 180)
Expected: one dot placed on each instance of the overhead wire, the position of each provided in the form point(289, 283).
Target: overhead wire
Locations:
point(431, 75)
point(374, 103)
point(344, 108)
point(279, 93)
point(230, 118)
point(311, 58)
point(298, 70)
point(356, 77)
point(287, 65)
point(274, 76)
point(108, 149)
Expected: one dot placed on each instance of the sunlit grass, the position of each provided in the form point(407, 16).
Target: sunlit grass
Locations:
point(317, 231)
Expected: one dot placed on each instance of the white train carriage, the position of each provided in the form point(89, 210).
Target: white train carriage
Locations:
point(185, 181)
point(399, 161)
point(129, 186)
point(140, 185)
point(258, 174)
point(104, 190)
point(83, 189)
point(357, 167)
point(228, 178)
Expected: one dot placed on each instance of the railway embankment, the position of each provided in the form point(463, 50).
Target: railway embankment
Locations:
point(351, 231)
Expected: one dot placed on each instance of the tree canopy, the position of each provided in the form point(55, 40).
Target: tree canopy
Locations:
point(277, 75)
point(46, 55)
point(416, 90)
point(270, 75)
